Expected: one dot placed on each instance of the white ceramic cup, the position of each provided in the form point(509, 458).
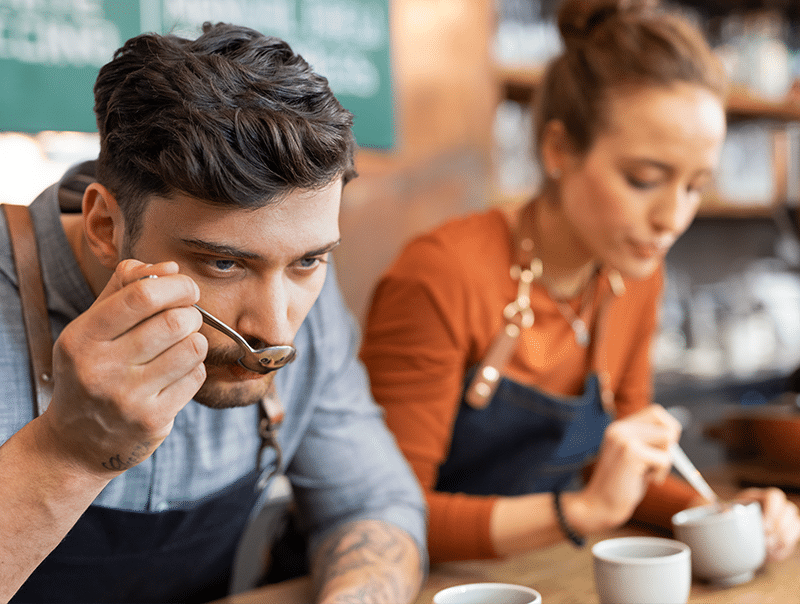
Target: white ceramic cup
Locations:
point(488, 593)
point(642, 570)
point(727, 541)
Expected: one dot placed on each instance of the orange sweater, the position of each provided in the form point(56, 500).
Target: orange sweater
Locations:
point(433, 316)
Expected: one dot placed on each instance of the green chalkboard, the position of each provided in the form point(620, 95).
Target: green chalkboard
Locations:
point(50, 51)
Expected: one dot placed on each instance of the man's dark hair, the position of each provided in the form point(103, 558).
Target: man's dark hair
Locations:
point(232, 118)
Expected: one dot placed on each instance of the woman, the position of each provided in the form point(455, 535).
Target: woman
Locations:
point(510, 348)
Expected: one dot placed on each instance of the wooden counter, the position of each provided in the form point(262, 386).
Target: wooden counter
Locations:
point(563, 574)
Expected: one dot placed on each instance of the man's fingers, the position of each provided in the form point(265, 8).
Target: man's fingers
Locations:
point(178, 369)
point(153, 336)
point(138, 389)
point(141, 299)
point(125, 272)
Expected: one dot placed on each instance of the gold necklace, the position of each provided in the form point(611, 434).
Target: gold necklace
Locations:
point(524, 235)
point(575, 320)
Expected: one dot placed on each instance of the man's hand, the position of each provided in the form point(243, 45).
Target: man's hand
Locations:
point(126, 367)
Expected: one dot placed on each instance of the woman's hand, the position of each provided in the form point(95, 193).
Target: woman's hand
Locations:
point(634, 453)
point(781, 520)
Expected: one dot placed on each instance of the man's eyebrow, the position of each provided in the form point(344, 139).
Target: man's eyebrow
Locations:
point(222, 250)
point(228, 250)
point(324, 249)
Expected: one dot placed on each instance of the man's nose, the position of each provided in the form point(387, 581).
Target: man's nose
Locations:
point(265, 316)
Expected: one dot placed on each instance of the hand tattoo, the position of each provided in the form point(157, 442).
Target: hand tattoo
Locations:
point(117, 464)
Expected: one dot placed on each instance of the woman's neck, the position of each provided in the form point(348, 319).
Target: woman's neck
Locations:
point(567, 266)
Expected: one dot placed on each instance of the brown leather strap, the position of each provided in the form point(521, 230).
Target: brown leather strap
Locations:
point(483, 385)
point(34, 305)
point(517, 316)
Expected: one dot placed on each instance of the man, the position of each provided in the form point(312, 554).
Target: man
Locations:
point(218, 184)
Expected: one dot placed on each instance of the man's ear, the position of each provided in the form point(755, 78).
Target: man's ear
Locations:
point(556, 149)
point(103, 224)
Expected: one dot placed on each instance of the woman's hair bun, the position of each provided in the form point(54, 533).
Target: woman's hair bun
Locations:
point(577, 18)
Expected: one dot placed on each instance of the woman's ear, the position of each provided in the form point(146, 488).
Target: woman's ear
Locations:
point(103, 224)
point(556, 149)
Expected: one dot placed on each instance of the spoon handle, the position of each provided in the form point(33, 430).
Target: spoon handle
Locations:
point(220, 326)
point(685, 466)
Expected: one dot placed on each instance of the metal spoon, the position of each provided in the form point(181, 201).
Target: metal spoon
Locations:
point(262, 360)
point(685, 466)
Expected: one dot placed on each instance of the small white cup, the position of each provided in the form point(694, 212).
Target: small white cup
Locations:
point(642, 570)
point(488, 593)
point(727, 541)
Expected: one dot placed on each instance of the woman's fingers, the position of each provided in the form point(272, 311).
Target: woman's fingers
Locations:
point(635, 452)
point(781, 520)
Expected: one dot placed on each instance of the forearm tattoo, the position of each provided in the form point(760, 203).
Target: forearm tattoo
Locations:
point(382, 554)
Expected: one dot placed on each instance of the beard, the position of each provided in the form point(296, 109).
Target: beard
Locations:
point(226, 396)
point(214, 393)
point(218, 394)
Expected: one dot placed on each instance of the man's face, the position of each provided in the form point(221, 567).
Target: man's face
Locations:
point(258, 270)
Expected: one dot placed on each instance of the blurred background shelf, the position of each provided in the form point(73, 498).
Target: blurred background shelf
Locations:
point(521, 81)
point(464, 77)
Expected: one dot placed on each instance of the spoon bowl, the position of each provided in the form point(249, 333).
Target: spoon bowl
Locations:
point(261, 360)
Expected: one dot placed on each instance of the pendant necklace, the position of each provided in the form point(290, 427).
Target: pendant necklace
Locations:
point(518, 314)
point(576, 321)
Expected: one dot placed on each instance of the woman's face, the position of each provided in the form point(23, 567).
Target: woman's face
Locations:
point(635, 191)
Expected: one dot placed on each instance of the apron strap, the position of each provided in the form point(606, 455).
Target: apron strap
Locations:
point(40, 339)
point(270, 417)
point(34, 304)
point(518, 315)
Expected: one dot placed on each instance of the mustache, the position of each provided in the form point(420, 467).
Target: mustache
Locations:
point(223, 356)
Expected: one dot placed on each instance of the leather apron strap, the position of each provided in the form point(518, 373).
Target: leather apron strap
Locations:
point(34, 304)
point(40, 339)
point(518, 315)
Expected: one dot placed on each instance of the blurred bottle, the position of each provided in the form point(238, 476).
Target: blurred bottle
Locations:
point(756, 51)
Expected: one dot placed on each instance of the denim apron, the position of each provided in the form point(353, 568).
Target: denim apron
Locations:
point(520, 439)
point(111, 555)
point(524, 441)
point(182, 555)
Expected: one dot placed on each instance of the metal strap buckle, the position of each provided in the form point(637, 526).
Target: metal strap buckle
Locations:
point(522, 305)
point(271, 417)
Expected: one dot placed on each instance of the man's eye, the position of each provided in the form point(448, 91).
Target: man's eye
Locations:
point(223, 265)
point(311, 262)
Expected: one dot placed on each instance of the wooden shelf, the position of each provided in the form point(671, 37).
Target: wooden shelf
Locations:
point(738, 210)
point(523, 76)
point(519, 83)
point(742, 104)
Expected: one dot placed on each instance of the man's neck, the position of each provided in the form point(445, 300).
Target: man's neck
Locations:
point(95, 273)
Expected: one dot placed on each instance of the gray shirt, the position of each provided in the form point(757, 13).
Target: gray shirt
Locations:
point(339, 456)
